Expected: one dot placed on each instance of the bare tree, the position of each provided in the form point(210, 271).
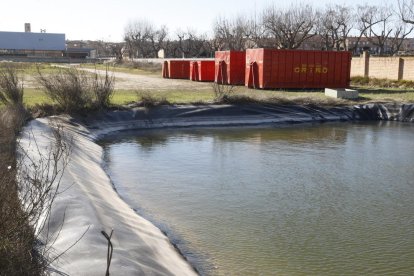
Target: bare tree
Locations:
point(326, 29)
point(345, 22)
point(136, 35)
point(406, 11)
point(190, 44)
point(117, 50)
point(381, 31)
point(400, 32)
point(290, 28)
point(406, 14)
point(207, 49)
point(172, 49)
point(334, 25)
point(230, 34)
point(157, 39)
point(256, 33)
point(144, 39)
point(366, 17)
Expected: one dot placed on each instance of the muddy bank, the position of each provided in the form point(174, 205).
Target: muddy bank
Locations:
point(88, 202)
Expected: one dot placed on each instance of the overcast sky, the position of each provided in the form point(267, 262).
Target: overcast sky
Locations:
point(106, 19)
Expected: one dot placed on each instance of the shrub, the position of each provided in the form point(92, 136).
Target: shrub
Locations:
point(222, 92)
point(76, 90)
point(103, 89)
point(17, 236)
point(70, 89)
point(147, 100)
point(11, 87)
point(359, 80)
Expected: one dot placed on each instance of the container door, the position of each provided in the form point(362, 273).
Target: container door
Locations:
point(253, 80)
point(222, 73)
point(165, 73)
point(194, 71)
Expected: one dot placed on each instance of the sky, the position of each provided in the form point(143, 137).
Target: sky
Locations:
point(106, 19)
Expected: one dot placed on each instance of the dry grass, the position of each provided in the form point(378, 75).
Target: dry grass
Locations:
point(152, 67)
point(280, 100)
point(11, 87)
point(148, 100)
point(381, 83)
point(37, 100)
point(17, 238)
point(103, 88)
point(222, 91)
point(25, 201)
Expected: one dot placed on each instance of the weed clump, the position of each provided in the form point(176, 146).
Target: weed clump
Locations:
point(11, 87)
point(18, 254)
point(70, 89)
point(27, 189)
point(75, 90)
point(103, 89)
point(222, 92)
point(148, 100)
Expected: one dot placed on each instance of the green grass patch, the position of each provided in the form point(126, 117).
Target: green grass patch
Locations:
point(36, 96)
point(28, 68)
point(404, 97)
point(173, 96)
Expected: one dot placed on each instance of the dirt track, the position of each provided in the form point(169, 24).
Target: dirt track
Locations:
point(137, 82)
point(151, 82)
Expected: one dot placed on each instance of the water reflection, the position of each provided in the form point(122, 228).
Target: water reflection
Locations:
point(148, 139)
point(320, 200)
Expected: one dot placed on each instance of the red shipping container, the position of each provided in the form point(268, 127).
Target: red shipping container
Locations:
point(271, 68)
point(176, 69)
point(202, 70)
point(230, 67)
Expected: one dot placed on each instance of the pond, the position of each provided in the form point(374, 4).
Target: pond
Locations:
point(324, 199)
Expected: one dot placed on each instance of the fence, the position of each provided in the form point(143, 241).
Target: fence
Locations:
point(394, 68)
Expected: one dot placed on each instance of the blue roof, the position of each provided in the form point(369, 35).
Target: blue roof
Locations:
point(32, 41)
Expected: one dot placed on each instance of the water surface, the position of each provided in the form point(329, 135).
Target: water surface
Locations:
point(333, 199)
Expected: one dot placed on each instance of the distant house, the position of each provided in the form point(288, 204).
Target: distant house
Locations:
point(367, 44)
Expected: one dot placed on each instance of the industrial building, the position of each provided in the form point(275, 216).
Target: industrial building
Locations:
point(42, 45)
point(32, 44)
